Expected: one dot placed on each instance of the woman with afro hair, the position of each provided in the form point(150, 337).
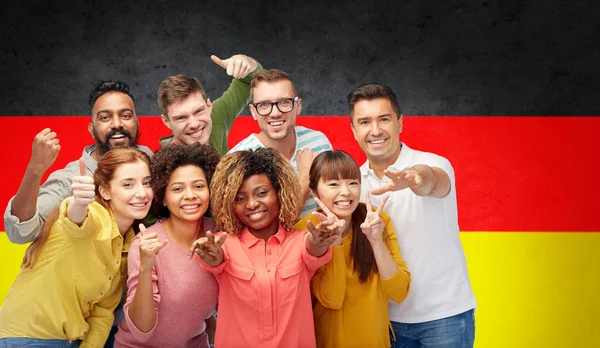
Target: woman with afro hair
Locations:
point(170, 296)
point(263, 266)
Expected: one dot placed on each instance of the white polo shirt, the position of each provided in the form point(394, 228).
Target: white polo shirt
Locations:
point(427, 231)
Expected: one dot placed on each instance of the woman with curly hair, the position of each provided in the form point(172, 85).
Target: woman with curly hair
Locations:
point(73, 274)
point(366, 270)
point(169, 296)
point(262, 264)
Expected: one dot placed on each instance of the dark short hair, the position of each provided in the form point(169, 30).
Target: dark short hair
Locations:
point(166, 160)
point(107, 87)
point(370, 91)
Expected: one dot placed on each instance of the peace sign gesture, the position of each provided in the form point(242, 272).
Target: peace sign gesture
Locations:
point(209, 248)
point(373, 225)
point(328, 230)
point(150, 246)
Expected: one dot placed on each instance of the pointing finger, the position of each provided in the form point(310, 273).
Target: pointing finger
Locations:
point(322, 205)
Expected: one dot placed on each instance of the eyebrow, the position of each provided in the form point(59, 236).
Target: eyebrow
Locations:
point(119, 111)
point(370, 117)
point(133, 179)
point(181, 182)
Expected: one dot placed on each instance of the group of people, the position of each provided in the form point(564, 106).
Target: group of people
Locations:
point(279, 242)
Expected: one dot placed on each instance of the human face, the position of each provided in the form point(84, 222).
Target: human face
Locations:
point(129, 193)
point(276, 126)
point(189, 119)
point(377, 129)
point(341, 196)
point(114, 122)
point(187, 195)
point(257, 205)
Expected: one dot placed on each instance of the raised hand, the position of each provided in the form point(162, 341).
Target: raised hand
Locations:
point(408, 178)
point(372, 227)
point(329, 230)
point(150, 246)
point(44, 151)
point(209, 248)
point(83, 194)
point(83, 186)
point(237, 66)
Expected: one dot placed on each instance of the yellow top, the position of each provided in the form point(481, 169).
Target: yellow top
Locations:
point(74, 285)
point(348, 313)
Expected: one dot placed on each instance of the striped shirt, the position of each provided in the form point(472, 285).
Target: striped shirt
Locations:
point(305, 139)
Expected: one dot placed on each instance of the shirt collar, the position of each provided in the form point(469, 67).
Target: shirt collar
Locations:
point(249, 239)
point(405, 158)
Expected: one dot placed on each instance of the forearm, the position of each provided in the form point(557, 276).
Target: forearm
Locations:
point(25, 201)
point(142, 310)
point(304, 191)
point(385, 262)
point(436, 182)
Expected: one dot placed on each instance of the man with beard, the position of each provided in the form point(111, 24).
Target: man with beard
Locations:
point(114, 124)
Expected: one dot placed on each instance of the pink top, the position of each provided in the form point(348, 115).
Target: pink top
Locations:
point(184, 296)
point(264, 297)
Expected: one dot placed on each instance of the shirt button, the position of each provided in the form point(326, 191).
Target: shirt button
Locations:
point(109, 278)
point(85, 332)
point(119, 243)
point(88, 302)
point(101, 293)
point(118, 261)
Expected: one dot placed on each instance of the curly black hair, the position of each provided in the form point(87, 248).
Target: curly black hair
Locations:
point(166, 160)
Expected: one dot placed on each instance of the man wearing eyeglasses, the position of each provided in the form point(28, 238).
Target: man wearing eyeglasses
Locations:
point(275, 106)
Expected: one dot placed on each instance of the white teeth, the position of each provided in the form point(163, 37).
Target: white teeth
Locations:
point(257, 214)
point(139, 205)
point(377, 141)
point(190, 206)
point(276, 124)
point(343, 203)
point(118, 136)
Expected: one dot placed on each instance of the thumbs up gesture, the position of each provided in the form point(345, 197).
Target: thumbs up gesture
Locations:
point(150, 246)
point(83, 194)
point(83, 186)
point(237, 66)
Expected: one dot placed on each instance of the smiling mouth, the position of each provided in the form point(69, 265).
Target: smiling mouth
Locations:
point(256, 216)
point(118, 136)
point(377, 141)
point(343, 204)
point(138, 205)
point(198, 133)
point(276, 123)
point(190, 206)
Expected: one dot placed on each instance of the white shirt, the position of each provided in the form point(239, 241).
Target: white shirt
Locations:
point(427, 231)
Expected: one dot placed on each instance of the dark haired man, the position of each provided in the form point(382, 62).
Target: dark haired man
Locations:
point(114, 124)
point(439, 308)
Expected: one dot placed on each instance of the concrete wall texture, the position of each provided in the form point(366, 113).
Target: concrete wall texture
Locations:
point(511, 57)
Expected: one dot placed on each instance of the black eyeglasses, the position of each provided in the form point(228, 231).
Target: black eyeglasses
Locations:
point(283, 105)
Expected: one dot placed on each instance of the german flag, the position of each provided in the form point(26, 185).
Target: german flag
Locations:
point(528, 211)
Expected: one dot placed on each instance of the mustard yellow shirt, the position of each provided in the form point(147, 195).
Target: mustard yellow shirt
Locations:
point(348, 313)
point(74, 285)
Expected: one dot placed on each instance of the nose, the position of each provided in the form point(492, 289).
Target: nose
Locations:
point(193, 122)
point(251, 203)
point(375, 129)
point(189, 193)
point(344, 190)
point(140, 191)
point(275, 111)
point(116, 122)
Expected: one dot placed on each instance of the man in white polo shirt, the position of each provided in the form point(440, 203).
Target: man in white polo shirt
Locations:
point(275, 105)
point(439, 309)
